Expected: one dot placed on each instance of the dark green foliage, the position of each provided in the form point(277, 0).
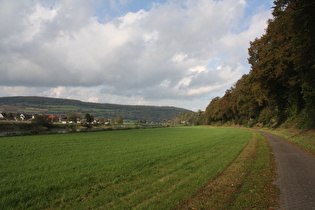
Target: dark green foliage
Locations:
point(89, 118)
point(10, 116)
point(267, 116)
point(42, 120)
point(188, 118)
point(73, 118)
point(281, 83)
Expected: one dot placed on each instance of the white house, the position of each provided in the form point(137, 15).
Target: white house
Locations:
point(22, 116)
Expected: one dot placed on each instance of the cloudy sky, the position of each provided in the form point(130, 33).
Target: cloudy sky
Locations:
point(151, 52)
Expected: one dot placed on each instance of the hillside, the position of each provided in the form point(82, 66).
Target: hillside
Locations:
point(44, 105)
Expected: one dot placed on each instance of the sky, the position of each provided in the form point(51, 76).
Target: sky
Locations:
point(179, 53)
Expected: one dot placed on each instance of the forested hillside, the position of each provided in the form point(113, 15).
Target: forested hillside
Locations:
point(280, 87)
point(43, 105)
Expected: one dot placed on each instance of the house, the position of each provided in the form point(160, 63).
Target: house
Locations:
point(63, 119)
point(22, 117)
point(53, 118)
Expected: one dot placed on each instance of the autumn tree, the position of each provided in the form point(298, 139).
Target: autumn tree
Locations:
point(119, 119)
point(281, 83)
point(283, 59)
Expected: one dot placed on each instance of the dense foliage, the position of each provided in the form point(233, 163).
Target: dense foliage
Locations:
point(189, 118)
point(42, 120)
point(281, 84)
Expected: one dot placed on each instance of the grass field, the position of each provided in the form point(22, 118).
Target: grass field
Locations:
point(150, 168)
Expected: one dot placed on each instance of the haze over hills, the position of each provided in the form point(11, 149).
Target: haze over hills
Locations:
point(45, 105)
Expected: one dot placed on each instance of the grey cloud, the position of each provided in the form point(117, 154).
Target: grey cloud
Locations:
point(148, 54)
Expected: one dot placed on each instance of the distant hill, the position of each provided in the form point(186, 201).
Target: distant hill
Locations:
point(44, 105)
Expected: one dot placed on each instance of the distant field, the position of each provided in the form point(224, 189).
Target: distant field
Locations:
point(150, 168)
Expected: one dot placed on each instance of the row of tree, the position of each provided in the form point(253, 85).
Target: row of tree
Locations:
point(189, 118)
point(280, 86)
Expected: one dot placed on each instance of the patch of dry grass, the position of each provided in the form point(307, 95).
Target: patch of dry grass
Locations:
point(247, 183)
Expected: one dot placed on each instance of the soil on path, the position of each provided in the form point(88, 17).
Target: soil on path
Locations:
point(296, 174)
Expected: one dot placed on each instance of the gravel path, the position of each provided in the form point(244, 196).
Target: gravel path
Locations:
point(296, 174)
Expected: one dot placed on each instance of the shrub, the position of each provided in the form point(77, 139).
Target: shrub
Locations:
point(267, 116)
point(42, 120)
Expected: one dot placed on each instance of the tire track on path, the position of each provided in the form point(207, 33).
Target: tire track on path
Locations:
point(296, 174)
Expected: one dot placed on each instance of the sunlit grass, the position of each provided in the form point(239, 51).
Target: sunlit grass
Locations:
point(152, 168)
point(258, 190)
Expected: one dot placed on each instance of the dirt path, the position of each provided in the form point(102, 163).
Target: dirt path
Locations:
point(296, 174)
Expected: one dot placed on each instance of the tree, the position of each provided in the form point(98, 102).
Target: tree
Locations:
point(281, 83)
point(200, 118)
point(42, 120)
point(73, 117)
point(89, 118)
point(10, 116)
point(283, 59)
point(119, 119)
point(212, 111)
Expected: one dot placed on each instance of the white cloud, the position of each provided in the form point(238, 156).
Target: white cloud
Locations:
point(93, 99)
point(36, 20)
point(56, 92)
point(151, 37)
point(175, 52)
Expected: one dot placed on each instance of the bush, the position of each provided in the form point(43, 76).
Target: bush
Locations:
point(42, 120)
point(306, 119)
point(267, 116)
point(251, 123)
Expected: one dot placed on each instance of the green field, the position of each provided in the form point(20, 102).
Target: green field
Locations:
point(150, 168)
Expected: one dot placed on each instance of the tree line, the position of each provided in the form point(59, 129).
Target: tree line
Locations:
point(280, 87)
point(189, 119)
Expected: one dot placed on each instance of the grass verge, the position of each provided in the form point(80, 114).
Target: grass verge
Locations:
point(246, 184)
point(305, 139)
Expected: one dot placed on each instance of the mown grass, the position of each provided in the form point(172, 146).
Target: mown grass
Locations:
point(246, 184)
point(151, 168)
point(258, 190)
